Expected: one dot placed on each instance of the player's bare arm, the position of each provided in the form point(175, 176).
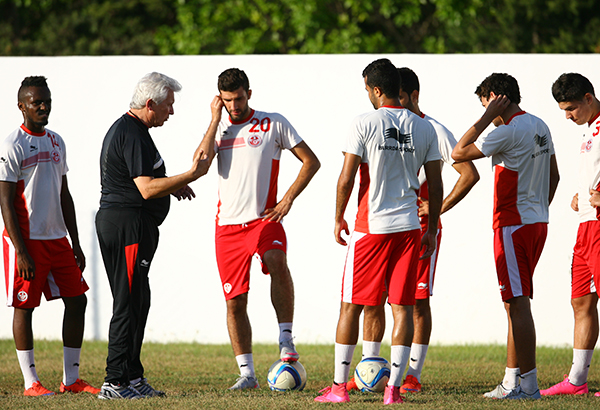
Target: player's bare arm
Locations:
point(433, 173)
point(344, 189)
point(575, 202)
point(554, 178)
point(25, 263)
point(68, 211)
point(310, 166)
point(467, 179)
point(151, 187)
point(207, 146)
point(465, 149)
point(594, 198)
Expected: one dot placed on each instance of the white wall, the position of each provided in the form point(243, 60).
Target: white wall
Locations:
point(319, 94)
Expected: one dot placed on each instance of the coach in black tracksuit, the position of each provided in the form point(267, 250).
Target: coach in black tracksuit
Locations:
point(134, 202)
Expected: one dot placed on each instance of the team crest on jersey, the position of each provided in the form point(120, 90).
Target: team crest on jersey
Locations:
point(55, 156)
point(227, 287)
point(254, 140)
point(22, 296)
point(587, 146)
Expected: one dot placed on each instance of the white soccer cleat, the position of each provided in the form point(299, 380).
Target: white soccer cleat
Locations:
point(498, 393)
point(245, 382)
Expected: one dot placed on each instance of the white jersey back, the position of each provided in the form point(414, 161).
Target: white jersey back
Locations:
point(36, 163)
point(589, 169)
point(248, 156)
point(520, 152)
point(393, 144)
point(446, 143)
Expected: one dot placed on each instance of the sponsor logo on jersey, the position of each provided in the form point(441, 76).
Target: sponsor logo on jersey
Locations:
point(277, 242)
point(541, 141)
point(422, 285)
point(227, 287)
point(502, 288)
point(394, 133)
point(144, 263)
point(254, 140)
point(55, 156)
point(3, 160)
point(537, 154)
point(32, 148)
point(587, 146)
point(22, 296)
point(401, 139)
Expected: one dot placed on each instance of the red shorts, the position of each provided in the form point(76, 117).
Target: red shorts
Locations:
point(236, 244)
point(517, 250)
point(56, 273)
point(377, 262)
point(586, 258)
point(426, 269)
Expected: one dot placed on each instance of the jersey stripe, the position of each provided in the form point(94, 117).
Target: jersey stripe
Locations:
point(362, 216)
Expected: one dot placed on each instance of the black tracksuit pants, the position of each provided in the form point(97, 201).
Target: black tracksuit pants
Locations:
point(128, 240)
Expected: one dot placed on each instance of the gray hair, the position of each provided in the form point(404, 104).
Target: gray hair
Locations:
point(153, 86)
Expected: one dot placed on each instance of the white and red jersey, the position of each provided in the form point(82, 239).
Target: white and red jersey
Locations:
point(589, 169)
point(248, 155)
point(393, 144)
point(520, 151)
point(36, 163)
point(446, 143)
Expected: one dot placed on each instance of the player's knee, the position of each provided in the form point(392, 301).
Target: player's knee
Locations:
point(76, 303)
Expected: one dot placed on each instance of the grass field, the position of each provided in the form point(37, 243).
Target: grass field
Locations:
point(197, 376)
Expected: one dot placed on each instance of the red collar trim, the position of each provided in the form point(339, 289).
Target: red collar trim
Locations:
point(392, 106)
point(517, 113)
point(35, 134)
point(422, 115)
point(132, 115)
point(244, 120)
point(594, 119)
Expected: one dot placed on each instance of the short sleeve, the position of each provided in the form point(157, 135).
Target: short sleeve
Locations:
point(287, 137)
point(138, 157)
point(499, 140)
point(355, 142)
point(11, 157)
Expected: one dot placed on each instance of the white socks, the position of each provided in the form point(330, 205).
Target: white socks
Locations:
point(285, 331)
point(581, 366)
point(400, 356)
point(343, 359)
point(370, 349)
point(417, 359)
point(511, 378)
point(71, 357)
point(245, 364)
point(27, 363)
point(529, 383)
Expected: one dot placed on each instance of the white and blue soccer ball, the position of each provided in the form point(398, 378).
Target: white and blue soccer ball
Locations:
point(284, 376)
point(372, 374)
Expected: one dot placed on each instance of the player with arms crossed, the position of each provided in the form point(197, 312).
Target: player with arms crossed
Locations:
point(575, 95)
point(526, 177)
point(248, 145)
point(374, 321)
point(38, 212)
point(389, 146)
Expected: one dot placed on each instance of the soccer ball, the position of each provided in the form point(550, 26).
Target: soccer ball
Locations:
point(285, 376)
point(372, 374)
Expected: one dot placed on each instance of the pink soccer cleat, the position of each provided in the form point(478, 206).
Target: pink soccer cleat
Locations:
point(565, 387)
point(392, 395)
point(334, 394)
